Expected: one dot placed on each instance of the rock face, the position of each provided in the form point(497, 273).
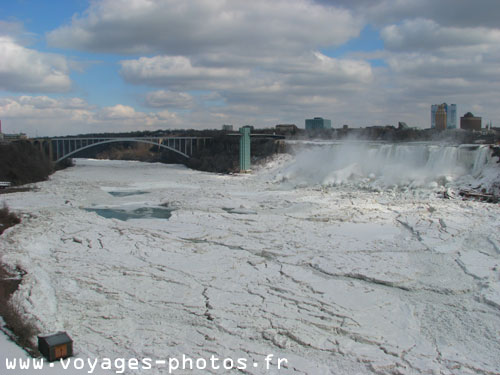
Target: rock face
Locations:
point(496, 152)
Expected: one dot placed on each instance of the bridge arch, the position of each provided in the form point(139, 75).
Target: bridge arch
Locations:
point(69, 154)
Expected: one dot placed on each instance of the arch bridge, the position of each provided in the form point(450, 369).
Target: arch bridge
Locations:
point(59, 149)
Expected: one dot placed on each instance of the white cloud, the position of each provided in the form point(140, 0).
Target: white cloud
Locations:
point(43, 115)
point(317, 70)
point(239, 61)
point(431, 63)
point(427, 35)
point(27, 70)
point(178, 27)
point(256, 55)
point(456, 13)
point(178, 71)
point(169, 99)
point(274, 83)
point(42, 107)
point(434, 51)
point(119, 112)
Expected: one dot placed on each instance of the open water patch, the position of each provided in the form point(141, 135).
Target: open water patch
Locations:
point(136, 213)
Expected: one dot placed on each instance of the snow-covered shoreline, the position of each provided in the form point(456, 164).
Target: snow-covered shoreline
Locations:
point(336, 280)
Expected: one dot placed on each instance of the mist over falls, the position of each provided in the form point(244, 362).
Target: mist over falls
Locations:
point(413, 165)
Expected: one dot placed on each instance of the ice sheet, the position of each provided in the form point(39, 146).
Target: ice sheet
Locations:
point(336, 280)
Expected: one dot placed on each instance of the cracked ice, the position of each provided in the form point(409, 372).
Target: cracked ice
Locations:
point(338, 281)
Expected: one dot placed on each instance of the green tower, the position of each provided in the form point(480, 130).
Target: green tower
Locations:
point(244, 149)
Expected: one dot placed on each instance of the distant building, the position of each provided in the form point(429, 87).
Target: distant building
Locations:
point(318, 123)
point(286, 128)
point(470, 122)
point(227, 128)
point(403, 126)
point(440, 118)
point(13, 137)
point(451, 115)
point(10, 137)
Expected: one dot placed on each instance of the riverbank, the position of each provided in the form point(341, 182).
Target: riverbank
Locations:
point(20, 163)
point(18, 329)
point(7, 219)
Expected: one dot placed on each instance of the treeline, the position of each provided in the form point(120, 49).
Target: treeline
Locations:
point(22, 163)
point(220, 154)
point(392, 134)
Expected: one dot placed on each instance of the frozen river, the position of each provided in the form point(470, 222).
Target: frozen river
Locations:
point(334, 270)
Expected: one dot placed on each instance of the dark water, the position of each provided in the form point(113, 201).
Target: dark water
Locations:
point(138, 213)
point(126, 193)
point(239, 211)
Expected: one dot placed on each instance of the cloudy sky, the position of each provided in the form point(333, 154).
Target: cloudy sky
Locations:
point(76, 66)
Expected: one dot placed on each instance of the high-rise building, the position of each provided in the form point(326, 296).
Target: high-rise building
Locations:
point(440, 118)
point(318, 123)
point(451, 115)
point(470, 122)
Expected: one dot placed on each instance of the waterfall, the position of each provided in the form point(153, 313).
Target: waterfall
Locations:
point(482, 158)
point(382, 164)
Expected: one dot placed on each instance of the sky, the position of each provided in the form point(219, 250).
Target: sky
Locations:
point(79, 66)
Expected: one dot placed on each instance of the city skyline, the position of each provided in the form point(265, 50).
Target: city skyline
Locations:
point(77, 66)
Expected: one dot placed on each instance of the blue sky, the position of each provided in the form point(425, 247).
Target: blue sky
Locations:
point(369, 40)
point(99, 82)
point(114, 65)
point(41, 16)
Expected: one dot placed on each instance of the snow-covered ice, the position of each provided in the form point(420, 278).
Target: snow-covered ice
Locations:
point(337, 273)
